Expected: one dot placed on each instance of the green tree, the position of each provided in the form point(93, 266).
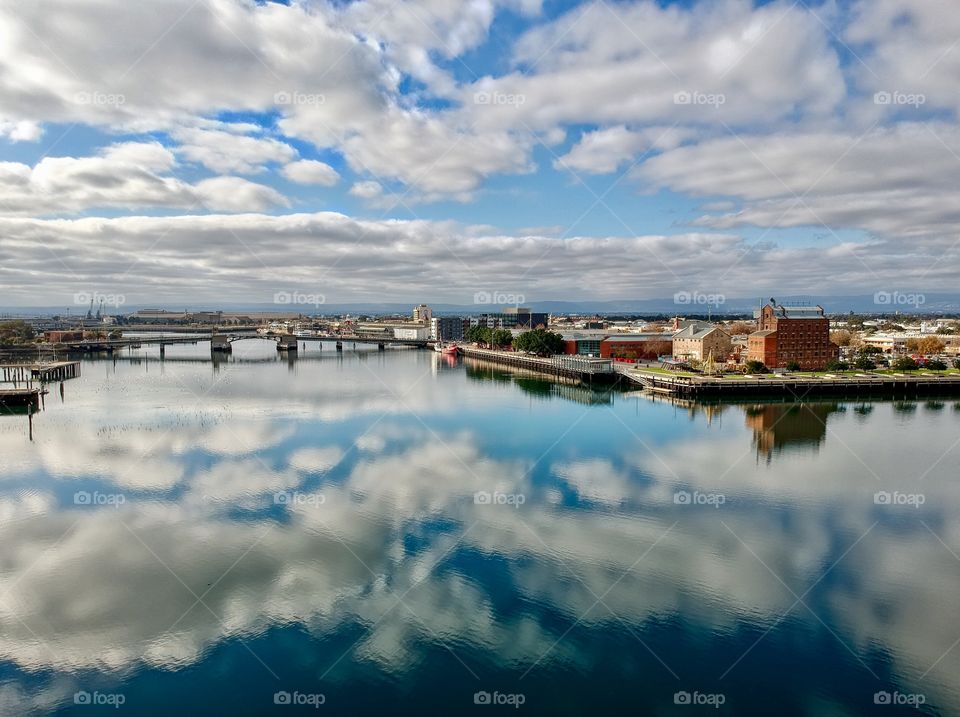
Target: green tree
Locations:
point(905, 363)
point(864, 363)
point(870, 349)
point(479, 335)
point(540, 342)
point(834, 365)
point(16, 332)
point(755, 367)
point(501, 337)
point(793, 366)
point(936, 365)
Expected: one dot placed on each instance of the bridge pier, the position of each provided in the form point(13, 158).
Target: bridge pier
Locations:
point(339, 346)
point(287, 343)
point(381, 347)
point(163, 351)
point(219, 342)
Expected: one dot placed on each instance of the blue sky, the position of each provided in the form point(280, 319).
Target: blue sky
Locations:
point(228, 150)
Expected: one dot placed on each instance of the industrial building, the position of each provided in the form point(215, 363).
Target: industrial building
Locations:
point(792, 334)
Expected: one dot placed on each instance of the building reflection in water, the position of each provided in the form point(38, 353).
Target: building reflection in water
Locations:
point(780, 427)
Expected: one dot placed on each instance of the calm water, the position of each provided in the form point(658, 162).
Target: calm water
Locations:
point(396, 533)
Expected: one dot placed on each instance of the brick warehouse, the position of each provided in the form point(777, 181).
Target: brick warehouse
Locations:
point(788, 334)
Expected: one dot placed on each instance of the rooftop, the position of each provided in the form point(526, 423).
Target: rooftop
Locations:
point(694, 332)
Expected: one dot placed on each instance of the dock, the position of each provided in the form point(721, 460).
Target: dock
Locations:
point(45, 372)
point(582, 368)
point(795, 387)
point(17, 397)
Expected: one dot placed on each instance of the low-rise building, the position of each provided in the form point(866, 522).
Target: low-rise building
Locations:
point(59, 337)
point(700, 343)
point(412, 333)
point(635, 347)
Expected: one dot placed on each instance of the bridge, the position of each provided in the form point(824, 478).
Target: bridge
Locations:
point(224, 341)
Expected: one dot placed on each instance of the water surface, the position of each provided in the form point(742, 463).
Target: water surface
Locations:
point(398, 532)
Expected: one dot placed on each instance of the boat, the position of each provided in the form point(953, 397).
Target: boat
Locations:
point(448, 349)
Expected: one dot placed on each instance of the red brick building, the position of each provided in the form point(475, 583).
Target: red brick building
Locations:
point(634, 347)
point(792, 334)
point(56, 337)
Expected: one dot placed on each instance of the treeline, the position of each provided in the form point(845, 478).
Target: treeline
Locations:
point(16, 332)
point(539, 341)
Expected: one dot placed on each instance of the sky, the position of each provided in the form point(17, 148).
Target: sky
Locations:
point(211, 152)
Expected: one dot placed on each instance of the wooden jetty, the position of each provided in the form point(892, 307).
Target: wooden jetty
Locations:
point(45, 372)
point(16, 397)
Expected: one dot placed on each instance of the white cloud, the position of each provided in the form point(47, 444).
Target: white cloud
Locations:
point(626, 63)
point(125, 175)
point(894, 182)
point(603, 151)
point(366, 190)
point(226, 152)
point(246, 257)
point(310, 171)
point(233, 194)
point(21, 131)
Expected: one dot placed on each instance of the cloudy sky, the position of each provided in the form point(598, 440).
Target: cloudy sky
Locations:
point(221, 151)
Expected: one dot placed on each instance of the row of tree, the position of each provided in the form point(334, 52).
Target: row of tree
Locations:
point(485, 336)
point(16, 332)
point(538, 341)
point(922, 345)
